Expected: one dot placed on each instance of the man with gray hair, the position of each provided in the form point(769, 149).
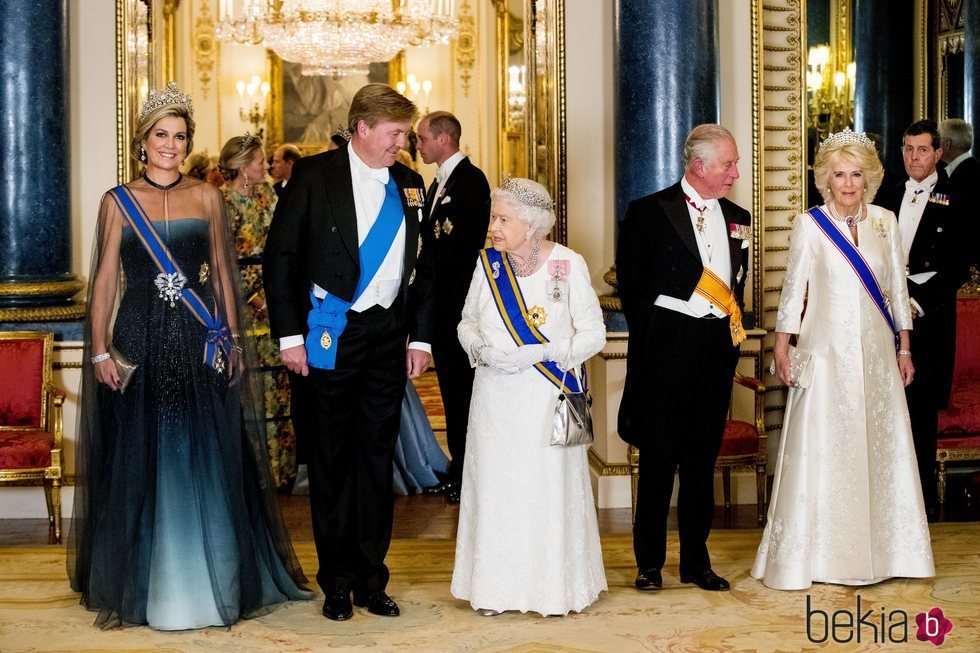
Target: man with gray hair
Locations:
point(681, 262)
point(956, 141)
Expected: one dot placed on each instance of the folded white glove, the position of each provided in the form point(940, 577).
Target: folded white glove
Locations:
point(526, 356)
point(497, 359)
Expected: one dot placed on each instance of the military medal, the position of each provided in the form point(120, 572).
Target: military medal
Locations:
point(915, 197)
point(447, 227)
point(326, 341)
point(537, 316)
point(700, 210)
point(437, 229)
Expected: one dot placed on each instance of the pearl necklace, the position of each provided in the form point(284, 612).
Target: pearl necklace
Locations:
point(850, 220)
point(525, 267)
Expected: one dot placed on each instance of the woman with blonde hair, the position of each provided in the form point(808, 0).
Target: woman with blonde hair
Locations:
point(250, 201)
point(176, 523)
point(846, 504)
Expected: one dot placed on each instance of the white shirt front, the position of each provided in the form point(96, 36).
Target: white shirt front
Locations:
point(442, 175)
point(713, 248)
point(910, 214)
point(369, 194)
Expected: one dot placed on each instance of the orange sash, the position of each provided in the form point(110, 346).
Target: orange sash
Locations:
point(711, 287)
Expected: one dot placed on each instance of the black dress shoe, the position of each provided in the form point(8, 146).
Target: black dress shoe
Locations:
point(442, 488)
point(378, 603)
point(453, 498)
point(707, 580)
point(649, 580)
point(337, 607)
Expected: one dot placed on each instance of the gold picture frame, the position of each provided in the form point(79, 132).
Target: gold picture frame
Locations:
point(134, 76)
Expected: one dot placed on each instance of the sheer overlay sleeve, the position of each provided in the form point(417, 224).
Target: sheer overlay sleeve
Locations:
point(790, 313)
point(468, 330)
point(105, 280)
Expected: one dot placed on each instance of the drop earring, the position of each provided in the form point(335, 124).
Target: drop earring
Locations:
point(245, 175)
point(142, 154)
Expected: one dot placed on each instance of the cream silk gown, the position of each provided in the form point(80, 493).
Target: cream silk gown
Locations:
point(846, 503)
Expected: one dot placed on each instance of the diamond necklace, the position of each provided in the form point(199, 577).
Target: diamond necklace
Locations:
point(850, 220)
point(525, 267)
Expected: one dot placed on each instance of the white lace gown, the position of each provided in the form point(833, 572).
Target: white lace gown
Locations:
point(846, 503)
point(528, 538)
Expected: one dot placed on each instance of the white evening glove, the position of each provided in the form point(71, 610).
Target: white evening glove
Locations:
point(526, 356)
point(497, 359)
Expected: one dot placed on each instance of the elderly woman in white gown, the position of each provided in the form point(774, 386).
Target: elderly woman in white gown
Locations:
point(846, 503)
point(528, 538)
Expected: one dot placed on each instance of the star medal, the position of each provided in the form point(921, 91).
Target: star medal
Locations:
point(204, 273)
point(326, 341)
point(437, 229)
point(447, 227)
point(537, 316)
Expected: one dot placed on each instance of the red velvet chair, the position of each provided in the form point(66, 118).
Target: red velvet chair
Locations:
point(31, 421)
point(959, 424)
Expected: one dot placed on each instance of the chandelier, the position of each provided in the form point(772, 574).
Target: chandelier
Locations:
point(337, 37)
point(830, 91)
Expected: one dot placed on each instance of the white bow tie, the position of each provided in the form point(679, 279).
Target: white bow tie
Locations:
point(380, 174)
point(912, 184)
point(441, 176)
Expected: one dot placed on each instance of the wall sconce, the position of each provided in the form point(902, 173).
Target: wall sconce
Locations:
point(415, 88)
point(830, 91)
point(248, 103)
point(516, 97)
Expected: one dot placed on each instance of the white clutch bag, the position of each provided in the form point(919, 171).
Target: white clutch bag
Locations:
point(800, 367)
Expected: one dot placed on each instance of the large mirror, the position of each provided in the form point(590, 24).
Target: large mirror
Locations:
point(134, 75)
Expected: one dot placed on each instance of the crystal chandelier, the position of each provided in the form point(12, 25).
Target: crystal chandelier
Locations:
point(337, 37)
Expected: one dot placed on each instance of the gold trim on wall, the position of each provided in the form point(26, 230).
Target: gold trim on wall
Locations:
point(274, 110)
point(135, 75)
point(204, 47)
point(465, 46)
point(170, 39)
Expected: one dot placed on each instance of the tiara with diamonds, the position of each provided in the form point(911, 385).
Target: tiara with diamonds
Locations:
point(847, 137)
point(246, 141)
point(170, 96)
point(526, 195)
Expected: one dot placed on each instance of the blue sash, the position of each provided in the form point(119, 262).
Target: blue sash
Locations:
point(513, 311)
point(853, 256)
point(328, 317)
point(217, 344)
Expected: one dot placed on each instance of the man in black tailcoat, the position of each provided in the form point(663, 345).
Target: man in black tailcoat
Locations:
point(351, 412)
point(931, 223)
point(457, 211)
point(684, 328)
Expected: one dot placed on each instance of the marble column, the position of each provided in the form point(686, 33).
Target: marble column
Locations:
point(883, 52)
point(667, 83)
point(36, 283)
point(971, 77)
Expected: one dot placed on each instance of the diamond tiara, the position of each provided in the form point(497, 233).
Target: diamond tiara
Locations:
point(526, 195)
point(246, 141)
point(166, 97)
point(847, 137)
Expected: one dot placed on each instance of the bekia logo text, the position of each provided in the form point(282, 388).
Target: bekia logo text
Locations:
point(876, 626)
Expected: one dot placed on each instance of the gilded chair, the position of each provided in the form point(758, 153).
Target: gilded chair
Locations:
point(31, 420)
point(744, 447)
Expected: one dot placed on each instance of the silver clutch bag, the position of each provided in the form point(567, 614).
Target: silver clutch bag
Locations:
point(571, 425)
point(124, 368)
point(800, 367)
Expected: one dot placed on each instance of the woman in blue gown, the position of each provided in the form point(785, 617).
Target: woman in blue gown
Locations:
point(176, 521)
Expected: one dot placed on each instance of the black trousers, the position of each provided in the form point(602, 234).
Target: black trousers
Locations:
point(456, 387)
point(687, 390)
point(351, 421)
point(925, 401)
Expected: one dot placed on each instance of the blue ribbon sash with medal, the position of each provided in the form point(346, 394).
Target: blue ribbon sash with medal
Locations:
point(510, 304)
point(328, 317)
point(170, 281)
point(854, 258)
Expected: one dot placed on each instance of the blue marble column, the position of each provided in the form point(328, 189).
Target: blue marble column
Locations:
point(971, 77)
point(35, 219)
point(667, 71)
point(883, 94)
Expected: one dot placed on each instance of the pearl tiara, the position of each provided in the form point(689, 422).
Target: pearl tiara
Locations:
point(526, 195)
point(164, 97)
point(847, 137)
